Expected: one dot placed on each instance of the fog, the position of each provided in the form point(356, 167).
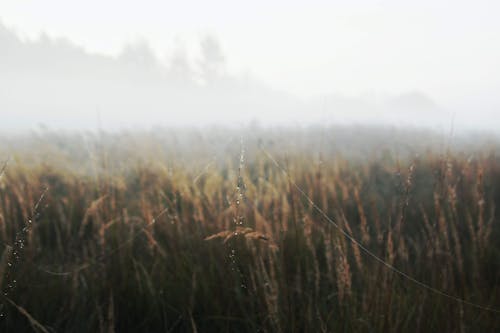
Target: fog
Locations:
point(56, 83)
point(56, 80)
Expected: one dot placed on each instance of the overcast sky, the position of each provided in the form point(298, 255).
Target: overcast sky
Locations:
point(447, 50)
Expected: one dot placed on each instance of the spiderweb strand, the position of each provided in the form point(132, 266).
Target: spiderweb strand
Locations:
point(371, 254)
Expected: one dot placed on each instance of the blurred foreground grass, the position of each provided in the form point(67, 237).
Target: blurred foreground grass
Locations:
point(199, 231)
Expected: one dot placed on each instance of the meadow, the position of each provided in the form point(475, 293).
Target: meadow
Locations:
point(326, 229)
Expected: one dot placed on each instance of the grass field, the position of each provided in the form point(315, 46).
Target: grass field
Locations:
point(250, 231)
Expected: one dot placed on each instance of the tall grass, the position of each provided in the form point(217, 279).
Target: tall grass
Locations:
point(141, 235)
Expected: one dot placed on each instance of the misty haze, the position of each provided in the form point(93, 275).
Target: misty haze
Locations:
point(54, 82)
point(224, 166)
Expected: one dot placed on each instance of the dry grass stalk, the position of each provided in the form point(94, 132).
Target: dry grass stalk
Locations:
point(33, 322)
point(363, 225)
point(343, 271)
